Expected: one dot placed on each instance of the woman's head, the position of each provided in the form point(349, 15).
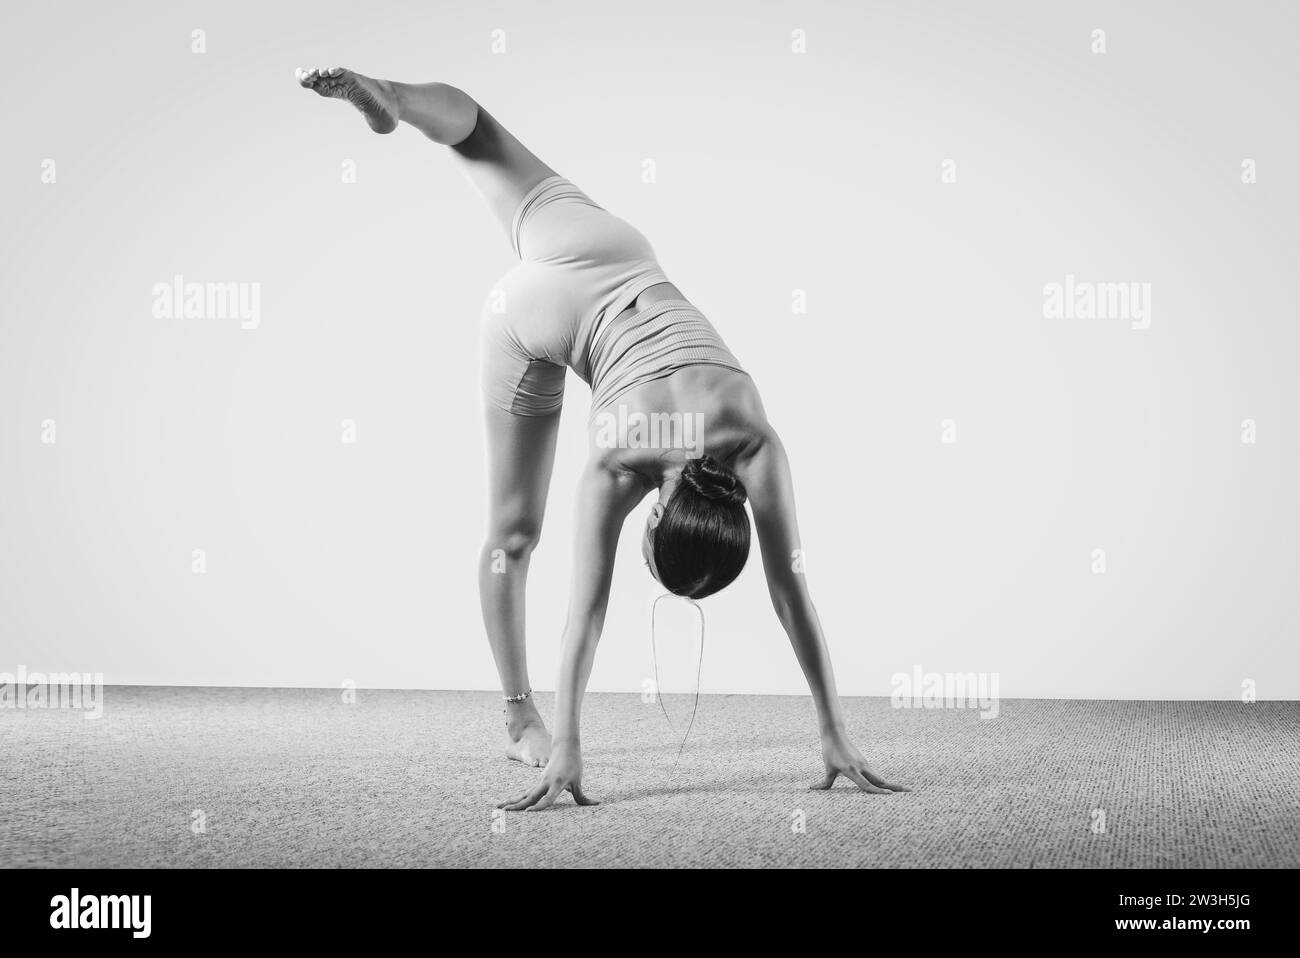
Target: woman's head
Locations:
point(697, 540)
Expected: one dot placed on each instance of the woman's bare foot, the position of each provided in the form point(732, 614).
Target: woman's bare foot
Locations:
point(374, 98)
point(527, 740)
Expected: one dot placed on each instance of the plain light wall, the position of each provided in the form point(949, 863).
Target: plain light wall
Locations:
point(775, 171)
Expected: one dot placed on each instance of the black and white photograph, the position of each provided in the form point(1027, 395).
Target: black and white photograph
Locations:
point(772, 436)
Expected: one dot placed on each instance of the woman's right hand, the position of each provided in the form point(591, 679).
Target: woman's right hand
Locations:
point(563, 773)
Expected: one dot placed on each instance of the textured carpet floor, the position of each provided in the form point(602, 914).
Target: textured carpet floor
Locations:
point(298, 778)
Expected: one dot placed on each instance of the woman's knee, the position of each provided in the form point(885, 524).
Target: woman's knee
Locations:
point(514, 539)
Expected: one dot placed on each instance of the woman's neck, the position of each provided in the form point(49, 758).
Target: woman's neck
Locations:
point(669, 473)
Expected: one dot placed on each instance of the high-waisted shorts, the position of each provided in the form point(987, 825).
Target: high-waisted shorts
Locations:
point(566, 304)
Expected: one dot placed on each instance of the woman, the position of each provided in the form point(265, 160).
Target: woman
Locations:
point(588, 294)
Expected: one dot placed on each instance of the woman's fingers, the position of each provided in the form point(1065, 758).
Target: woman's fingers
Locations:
point(860, 780)
point(580, 796)
point(521, 798)
point(864, 778)
point(879, 782)
point(828, 781)
point(519, 804)
point(549, 798)
point(543, 797)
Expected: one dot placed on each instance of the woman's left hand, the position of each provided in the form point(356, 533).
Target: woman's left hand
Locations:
point(563, 773)
point(842, 758)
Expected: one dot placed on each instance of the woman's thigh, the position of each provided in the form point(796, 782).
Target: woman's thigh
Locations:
point(500, 166)
point(521, 453)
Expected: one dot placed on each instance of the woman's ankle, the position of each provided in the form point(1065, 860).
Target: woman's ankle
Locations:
point(520, 715)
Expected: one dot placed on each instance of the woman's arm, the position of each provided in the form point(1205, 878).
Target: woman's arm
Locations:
point(604, 501)
point(766, 476)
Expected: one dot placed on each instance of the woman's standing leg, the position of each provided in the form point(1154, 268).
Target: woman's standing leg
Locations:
point(521, 449)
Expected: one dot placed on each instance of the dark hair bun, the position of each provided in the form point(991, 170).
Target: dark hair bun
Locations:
point(702, 539)
point(714, 481)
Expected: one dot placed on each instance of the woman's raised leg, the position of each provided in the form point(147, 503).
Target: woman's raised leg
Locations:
point(521, 449)
point(502, 168)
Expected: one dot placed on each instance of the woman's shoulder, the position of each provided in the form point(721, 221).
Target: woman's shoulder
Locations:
point(615, 472)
